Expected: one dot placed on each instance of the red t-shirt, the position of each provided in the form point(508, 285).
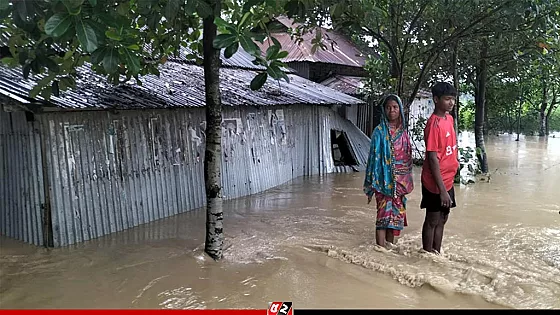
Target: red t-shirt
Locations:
point(439, 136)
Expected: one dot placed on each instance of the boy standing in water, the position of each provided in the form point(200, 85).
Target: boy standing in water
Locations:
point(439, 168)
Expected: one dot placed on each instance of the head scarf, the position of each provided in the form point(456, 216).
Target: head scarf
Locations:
point(380, 168)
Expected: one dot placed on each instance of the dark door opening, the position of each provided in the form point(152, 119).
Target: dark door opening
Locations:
point(342, 152)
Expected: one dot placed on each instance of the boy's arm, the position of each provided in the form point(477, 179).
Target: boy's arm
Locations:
point(434, 166)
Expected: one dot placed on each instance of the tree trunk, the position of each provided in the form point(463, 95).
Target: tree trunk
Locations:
point(480, 100)
point(509, 121)
point(519, 113)
point(542, 123)
point(544, 106)
point(553, 104)
point(486, 130)
point(454, 66)
point(396, 72)
point(212, 159)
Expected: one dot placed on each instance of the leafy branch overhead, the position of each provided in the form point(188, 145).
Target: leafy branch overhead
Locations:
point(126, 39)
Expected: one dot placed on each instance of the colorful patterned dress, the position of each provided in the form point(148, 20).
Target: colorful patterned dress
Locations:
point(389, 173)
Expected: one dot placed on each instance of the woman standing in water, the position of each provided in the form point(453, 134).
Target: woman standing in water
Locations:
point(389, 171)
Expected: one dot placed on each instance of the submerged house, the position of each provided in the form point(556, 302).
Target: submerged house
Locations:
point(340, 66)
point(100, 159)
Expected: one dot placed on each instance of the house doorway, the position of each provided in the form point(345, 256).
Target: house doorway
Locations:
point(342, 152)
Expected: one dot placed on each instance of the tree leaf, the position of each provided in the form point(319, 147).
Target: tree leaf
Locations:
point(338, 9)
point(203, 9)
point(284, 76)
point(4, 4)
point(243, 20)
point(23, 56)
point(40, 86)
point(49, 63)
point(35, 91)
point(292, 8)
point(74, 7)
point(275, 41)
point(35, 66)
point(248, 44)
point(195, 35)
point(86, 36)
point(5, 12)
point(66, 83)
point(26, 69)
point(132, 61)
point(123, 9)
point(93, 2)
point(111, 60)
point(98, 55)
point(190, 7)
point(171, 10)
point(272, 51)
point(58, 24)
point(112, 35)
point(221, 23)
point(9, 61)
point(231, 50)
point(55, 88)
point(258, 81)
point(278, 63)
point(23, 9)
point(275, 26)
point(110, 20)
point(251, 3)
point(46, 92)
point(260, 37)
point(281, 55)
point(224, 40)
point(274, 72)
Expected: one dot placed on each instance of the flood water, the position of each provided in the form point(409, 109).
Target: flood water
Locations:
point(312, 242)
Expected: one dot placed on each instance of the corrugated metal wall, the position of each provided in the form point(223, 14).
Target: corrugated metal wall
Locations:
point(21, 178)
point(112, 171)
point(368, 116)
point(271, 146)
point(301, 68)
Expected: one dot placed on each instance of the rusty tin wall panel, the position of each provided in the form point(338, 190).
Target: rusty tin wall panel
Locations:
point(21, 178)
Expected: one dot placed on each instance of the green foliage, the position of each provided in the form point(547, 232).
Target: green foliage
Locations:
point(417, 131)
point(125, 39)
point(554, 122)
point(469, 166)
point(466, 116)
point(415, 38)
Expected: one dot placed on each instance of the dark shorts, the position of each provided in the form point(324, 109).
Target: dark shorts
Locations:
point(432, 202)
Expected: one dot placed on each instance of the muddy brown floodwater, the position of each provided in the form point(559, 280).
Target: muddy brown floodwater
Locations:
point(311, 242)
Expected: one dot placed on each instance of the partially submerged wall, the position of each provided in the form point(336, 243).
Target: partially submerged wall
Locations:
point(107, 172)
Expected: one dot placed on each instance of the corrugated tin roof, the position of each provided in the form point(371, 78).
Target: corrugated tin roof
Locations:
point(179, 85)
point(343, 51)
point(241, 59)
point(351, 85)
point(345, 84)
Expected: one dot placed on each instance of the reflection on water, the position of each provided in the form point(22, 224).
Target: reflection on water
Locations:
point(312, 242)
